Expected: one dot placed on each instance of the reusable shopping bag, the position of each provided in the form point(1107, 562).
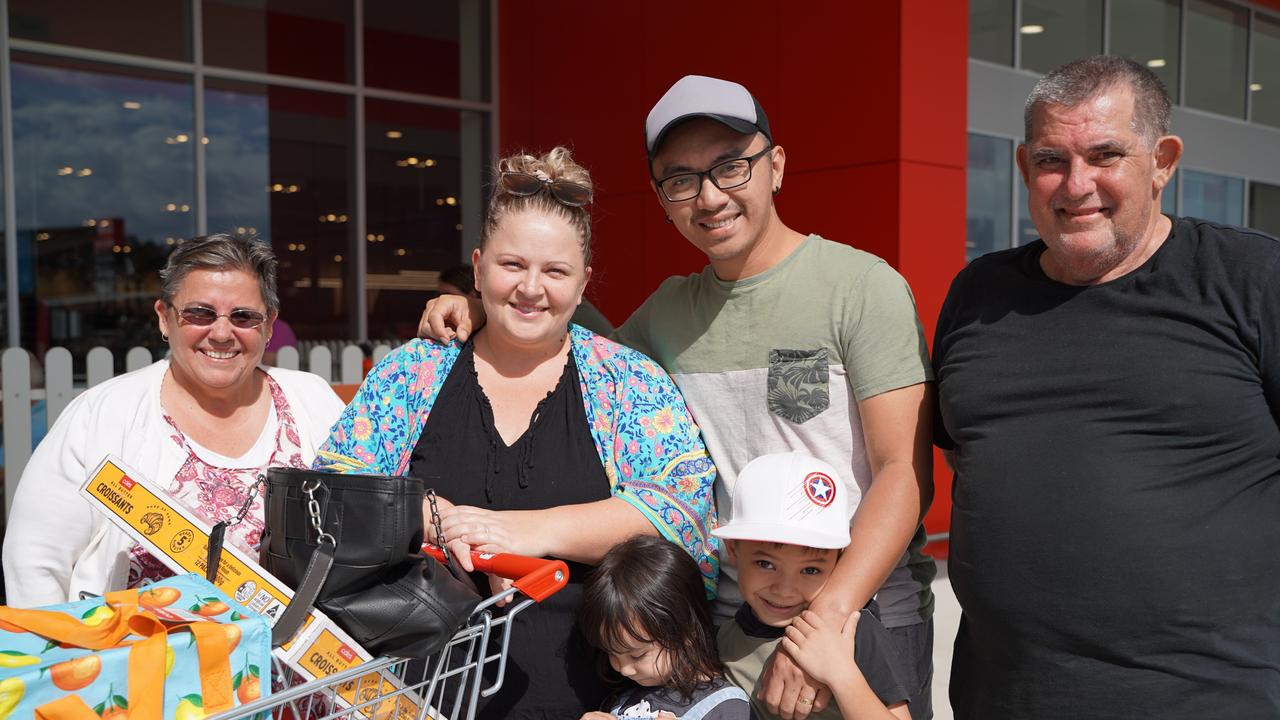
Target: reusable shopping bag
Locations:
point(179, 649)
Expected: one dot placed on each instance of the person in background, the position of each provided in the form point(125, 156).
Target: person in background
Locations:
point(1110, 402)
point(457, 280)
point(541, 438)
point(202, 423)
point(281, 337)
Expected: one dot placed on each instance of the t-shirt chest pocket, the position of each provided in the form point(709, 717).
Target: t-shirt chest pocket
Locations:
point(798, 383)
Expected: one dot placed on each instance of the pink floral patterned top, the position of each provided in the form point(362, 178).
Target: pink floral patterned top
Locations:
point(215, 493)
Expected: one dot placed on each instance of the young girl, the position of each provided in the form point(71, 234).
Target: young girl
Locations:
point(646, 612)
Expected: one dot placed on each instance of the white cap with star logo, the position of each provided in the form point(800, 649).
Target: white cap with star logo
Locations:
point(791, 498)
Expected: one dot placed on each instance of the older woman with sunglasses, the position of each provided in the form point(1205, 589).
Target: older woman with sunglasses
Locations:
point(203, 424)
point(541, 437)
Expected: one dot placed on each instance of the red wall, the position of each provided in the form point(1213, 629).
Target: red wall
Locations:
point(867, 98)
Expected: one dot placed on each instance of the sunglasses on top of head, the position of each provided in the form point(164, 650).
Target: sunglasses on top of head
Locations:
point(203, 317)
point(565, 192)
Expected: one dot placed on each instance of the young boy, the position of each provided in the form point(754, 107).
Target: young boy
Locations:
point(790, 522)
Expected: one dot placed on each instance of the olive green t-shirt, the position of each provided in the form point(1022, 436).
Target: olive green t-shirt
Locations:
point(779, 362)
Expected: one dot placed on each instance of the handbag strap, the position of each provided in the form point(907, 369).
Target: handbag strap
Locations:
point(313, 579)
point(308, 590)
point(218, 534)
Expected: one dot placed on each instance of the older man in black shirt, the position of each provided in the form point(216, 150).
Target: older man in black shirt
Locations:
point(1110, 401)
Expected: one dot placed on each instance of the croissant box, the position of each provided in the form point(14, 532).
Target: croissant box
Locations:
point(181, 541)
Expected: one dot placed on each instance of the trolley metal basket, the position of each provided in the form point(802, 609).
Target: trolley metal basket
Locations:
point(447, 686)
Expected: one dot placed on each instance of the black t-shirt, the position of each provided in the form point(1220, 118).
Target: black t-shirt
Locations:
point(550, 672)
point(1116, 510)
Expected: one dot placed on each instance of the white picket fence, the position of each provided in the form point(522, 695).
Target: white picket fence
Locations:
point(335, 361)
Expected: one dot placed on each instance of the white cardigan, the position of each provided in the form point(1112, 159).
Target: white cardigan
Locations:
point(56, 544)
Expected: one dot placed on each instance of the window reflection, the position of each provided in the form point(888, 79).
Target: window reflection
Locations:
point(1147, 31)
point(4, 270)
point(104, 165)
point(989, 194)
point(1264, 207)
point(154, 28)
point(1216, 198)
point(302, 38)
point(237, 158)
point(415, 200)
point(1169, 198)
point(1264, 86)
point(991, 30)
point(280, 162)
point(1217, 47)
point(1054, 32)
point(1027, 232)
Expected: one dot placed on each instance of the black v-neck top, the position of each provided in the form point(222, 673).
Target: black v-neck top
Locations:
point(461, 454)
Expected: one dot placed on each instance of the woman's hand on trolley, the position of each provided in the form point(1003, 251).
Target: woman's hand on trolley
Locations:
point(471, 528)
point(494, 531)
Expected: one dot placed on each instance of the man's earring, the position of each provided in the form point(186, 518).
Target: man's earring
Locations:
point(164, 337)
point(777, 190)
point(670, 221)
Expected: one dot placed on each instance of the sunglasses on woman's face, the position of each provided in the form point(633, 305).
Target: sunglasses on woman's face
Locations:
point(566, 193)
point(203, 317)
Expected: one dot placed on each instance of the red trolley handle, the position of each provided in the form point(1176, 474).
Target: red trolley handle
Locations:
point(539, 578)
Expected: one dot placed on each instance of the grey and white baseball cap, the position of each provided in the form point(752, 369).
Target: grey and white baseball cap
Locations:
point(700, 96)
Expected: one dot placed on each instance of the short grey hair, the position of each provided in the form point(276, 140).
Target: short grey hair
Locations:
point(222, 251)
point(1081, 80)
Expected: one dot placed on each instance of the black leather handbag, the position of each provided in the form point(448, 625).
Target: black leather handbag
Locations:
point(352, 546)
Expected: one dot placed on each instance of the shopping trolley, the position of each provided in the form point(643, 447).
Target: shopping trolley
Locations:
point(444, 687)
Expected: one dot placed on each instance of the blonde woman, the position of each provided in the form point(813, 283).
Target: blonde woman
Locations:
point(544, 438)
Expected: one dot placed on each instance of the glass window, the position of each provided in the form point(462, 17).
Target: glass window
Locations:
point(154, 28)
point(1264, 87)
point(1147, 31)
point(990, 173)
point(1054, 32)
point(428, 48)
point(301, 38)
point(414, 165)
point(4, 270)
point(1264, 207)
point(1217, 47)
point(1027, 232)
point(239, 186)
point(1216, 198)
point(105, 170)
point(280, 161)
point(991, 30)
point(1169, 197)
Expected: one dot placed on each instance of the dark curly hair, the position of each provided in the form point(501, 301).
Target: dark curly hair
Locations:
point(650, 590)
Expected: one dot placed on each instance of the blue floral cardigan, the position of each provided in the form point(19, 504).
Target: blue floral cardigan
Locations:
point(651, 450)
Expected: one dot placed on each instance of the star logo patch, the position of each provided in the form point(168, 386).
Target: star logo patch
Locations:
point(820, 489)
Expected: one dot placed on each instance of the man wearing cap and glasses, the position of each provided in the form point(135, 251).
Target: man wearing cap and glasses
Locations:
point(789, 342)
point(793, 342)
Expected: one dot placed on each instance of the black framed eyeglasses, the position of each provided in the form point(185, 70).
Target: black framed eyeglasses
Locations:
point(565, 192)
point(725, 176)
point(204, 317)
